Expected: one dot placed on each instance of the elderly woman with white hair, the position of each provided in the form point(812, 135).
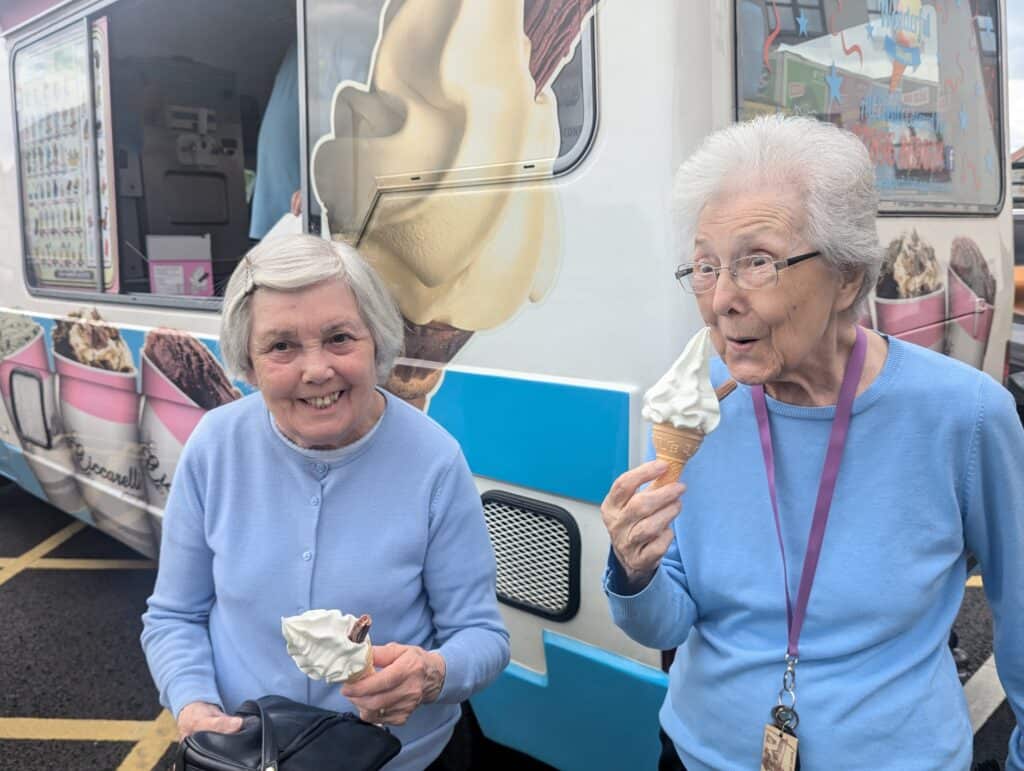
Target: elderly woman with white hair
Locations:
point(824, 531)
point(321, 490)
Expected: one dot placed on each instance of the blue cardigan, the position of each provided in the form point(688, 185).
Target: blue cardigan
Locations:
point(256, 529)
point(933, 467)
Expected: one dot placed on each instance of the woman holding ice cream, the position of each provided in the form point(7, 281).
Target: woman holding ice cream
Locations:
point(321, 492)
point(809, 576)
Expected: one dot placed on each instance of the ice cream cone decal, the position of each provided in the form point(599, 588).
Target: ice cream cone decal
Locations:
point(456, 263)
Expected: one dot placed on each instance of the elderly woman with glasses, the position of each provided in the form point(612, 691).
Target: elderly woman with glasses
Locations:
point(321, 491)
point(809, 577)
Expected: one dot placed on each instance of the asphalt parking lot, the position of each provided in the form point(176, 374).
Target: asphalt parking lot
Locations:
point(75, 692)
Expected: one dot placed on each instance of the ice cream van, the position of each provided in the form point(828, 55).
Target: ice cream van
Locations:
point(506, 165)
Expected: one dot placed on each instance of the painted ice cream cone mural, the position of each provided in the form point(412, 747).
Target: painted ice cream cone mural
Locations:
point(458, 92)
point(28, 393)
point(972, 294)
point(99, 402)
point(181, 381)
point(910, 298)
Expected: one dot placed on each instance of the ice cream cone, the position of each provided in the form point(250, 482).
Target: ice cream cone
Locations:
point(675, 446)
point(366, 670)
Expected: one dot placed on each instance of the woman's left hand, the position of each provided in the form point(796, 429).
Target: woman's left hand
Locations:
point(408, 676)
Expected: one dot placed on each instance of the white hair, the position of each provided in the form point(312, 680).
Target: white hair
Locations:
point(829, 170)
point(291, 263)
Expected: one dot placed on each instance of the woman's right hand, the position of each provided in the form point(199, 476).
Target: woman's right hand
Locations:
point(640, 523)
point(203, 716)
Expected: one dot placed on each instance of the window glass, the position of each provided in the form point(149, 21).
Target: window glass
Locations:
point(398, 99)
point(57, 165)
point(916, 80)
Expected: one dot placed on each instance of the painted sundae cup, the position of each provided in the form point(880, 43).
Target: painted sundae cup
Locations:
point(181, 381)
point(972, 292)
point(910, 298)
point(27, 385)
point(100, 405)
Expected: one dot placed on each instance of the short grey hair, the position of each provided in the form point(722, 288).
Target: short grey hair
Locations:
point(828, 168)
point(291, 263)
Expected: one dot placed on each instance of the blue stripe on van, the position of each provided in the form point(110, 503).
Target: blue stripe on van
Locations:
point(593, 709)
point(562, 439)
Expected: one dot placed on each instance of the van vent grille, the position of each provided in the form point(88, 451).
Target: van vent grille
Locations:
point(537, 547)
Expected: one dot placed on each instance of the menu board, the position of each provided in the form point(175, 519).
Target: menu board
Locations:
point(57, 163)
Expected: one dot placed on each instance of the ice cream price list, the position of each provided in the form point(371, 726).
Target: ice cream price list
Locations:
point(55, 147)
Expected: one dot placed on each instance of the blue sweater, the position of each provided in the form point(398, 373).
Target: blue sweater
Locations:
point(256, 529)
point(932, 469)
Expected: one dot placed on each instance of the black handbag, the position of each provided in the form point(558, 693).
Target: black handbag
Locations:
point(279, 734)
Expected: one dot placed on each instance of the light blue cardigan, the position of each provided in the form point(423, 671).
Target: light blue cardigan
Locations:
point(256, 529)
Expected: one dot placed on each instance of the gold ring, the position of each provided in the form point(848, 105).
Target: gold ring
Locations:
point(380, 713)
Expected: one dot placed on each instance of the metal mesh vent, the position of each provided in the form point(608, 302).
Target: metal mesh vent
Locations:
point(537, 550)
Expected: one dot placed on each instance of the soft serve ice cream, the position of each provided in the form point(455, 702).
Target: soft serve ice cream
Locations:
point(320, 642)
point(684, 397)
point(684, 406)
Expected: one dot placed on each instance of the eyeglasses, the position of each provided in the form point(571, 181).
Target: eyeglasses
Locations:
point(752, 271)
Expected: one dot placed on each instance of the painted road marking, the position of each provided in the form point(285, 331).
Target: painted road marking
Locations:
point(984, 694)
point(32, 555)
point(50, 729)
point(974, 582)
point(145, 755)
point(68, 563)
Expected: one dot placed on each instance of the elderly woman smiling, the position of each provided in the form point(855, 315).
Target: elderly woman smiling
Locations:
point(321, 490)
point(825, 525)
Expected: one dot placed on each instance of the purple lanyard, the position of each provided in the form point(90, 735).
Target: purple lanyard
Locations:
point(836, 442)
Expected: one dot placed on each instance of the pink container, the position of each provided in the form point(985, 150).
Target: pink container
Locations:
point(34, 414)
point(917, 319)
point(970, 322)
point(101, 412)
point(168, 418)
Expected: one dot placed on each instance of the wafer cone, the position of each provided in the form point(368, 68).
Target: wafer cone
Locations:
point(675, 446)
point(366, 670)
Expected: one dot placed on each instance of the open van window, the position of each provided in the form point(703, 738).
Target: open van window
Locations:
point(916, 80)
point(152, 196)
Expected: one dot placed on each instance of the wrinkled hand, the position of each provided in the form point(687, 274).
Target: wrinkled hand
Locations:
point(203, 716)
point(639, 523)
point(408, 676)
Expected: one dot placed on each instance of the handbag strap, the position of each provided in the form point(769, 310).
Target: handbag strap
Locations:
point(268, 747)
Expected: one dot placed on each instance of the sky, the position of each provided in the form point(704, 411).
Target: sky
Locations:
point(1015, 53)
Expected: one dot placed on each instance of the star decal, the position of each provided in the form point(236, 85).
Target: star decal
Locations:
point(835, 83)
point(989, 163)
point(870, 29)
point(963, 119)
point(802, 21)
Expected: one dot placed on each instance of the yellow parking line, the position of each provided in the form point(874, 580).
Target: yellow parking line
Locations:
point(68, 563)
point(144, 755)
point(974, 582)
point(25, 560)
point(73, 730)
